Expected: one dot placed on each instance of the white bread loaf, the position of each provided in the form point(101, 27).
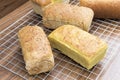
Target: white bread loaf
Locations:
point(59, 14)
point(39, 5)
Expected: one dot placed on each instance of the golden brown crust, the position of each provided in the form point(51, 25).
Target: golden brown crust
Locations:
point(42, 3)
point(36, 50)
point(103, 8)
point(60, 14)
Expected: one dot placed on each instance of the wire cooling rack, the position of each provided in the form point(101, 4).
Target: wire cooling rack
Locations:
point(65, 68)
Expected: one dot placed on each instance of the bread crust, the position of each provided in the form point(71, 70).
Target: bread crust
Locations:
point(103, 8)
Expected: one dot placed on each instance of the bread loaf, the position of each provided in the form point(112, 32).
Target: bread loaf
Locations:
point(36, 50)
point(39, 5)
point(103, 8)
point(82, 47)
point(60, 14)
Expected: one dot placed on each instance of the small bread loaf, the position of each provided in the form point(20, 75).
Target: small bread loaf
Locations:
point(39, 5)
point(36, 50)
point(60, 14)
point(84, 48)
point(103, 8)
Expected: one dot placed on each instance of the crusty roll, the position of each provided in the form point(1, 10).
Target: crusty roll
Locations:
point(103, 8)
point(39, 5)
point(60, 14)
point(79, 45)
point(36, 50)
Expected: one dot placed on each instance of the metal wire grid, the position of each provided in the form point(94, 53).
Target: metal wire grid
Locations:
point(65, 68)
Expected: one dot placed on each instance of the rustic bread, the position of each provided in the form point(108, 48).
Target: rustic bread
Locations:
point(60, 14)
point(103, 8)
point(39, 5)
point(36, 50)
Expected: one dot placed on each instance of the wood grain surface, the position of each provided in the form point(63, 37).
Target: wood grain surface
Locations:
point(6, 6)
point(6, 21)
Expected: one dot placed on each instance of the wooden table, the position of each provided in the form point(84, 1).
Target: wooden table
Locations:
point(7, 6)
point(5, 74)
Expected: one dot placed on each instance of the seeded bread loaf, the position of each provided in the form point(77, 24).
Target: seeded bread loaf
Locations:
point(36, 50)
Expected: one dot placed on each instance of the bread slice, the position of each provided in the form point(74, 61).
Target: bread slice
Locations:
point(62, 14)
point(82, 47)
point(36, 50)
